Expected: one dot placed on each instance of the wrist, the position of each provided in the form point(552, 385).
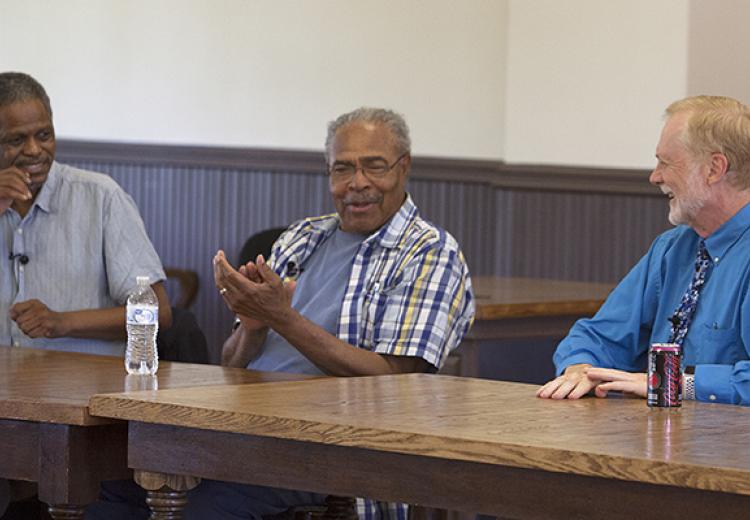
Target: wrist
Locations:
point(578, 367)
point(249, 326)
point(281, 320)
point(64, 325)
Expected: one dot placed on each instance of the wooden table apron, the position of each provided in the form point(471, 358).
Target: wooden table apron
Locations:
point(46, 432)
point(525, 308)
point(437, 459)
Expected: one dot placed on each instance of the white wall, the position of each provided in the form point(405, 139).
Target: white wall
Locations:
point(264, 73)
point(580, 82)
point(718, 48)
point(588, 80)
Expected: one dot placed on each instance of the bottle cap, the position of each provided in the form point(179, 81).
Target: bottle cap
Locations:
point(141, 280)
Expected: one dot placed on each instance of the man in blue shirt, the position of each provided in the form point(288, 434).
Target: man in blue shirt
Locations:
point(703, 166)
point(72, 241)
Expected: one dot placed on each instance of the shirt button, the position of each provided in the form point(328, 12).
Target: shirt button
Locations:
point(712, 397)
point(20, 268)
point(16, 343)
point(20, 231)
point(716, 260)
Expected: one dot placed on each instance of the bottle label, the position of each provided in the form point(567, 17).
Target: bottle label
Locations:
point(142, 314)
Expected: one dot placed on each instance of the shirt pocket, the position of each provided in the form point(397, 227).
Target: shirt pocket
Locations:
point(718, 345)
point(377, 322)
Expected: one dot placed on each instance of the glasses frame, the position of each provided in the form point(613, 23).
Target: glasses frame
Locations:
point(370, 175)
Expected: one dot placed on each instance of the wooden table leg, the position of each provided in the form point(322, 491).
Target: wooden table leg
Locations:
point(66, 512)
point(340, 508)
point(166, 494)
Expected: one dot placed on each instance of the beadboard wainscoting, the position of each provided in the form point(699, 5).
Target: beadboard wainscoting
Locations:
point(511, 220)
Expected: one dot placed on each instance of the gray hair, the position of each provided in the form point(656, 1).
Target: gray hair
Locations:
point(17, 86)
point(394, 121)
point(718, 124)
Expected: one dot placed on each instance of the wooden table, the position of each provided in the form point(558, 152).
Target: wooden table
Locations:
point(47, 434)
point(522, 308)
point(470, 444)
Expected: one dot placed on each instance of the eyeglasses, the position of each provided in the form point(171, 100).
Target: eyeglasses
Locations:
point(375, 168)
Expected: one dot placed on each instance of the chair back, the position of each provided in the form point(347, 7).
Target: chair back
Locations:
point(259, 244)
point(186, 281)
point(184, 340)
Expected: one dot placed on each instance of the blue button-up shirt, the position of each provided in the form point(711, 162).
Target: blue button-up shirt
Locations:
point(637, 313)
point(85, 243)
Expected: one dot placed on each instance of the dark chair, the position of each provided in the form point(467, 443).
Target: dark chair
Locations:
point(259, 244)
point(187, 282)
point(184, 340)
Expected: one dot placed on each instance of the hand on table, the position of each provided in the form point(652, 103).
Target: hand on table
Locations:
point(579, 380)
point(571, 384)
point(611, 380)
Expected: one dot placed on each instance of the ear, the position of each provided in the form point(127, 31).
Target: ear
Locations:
point(718, 167)
point(406, 161)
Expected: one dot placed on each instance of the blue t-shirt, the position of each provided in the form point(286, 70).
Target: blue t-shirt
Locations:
point(318, 296)
point(637, 313)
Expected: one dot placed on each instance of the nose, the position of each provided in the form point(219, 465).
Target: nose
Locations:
point(31, 147)
point(359, 180)
point(655, 177)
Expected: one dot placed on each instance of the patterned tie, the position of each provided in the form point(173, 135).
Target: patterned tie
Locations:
point(684, 314)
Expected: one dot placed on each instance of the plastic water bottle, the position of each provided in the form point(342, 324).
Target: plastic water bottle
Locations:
point(141, 356)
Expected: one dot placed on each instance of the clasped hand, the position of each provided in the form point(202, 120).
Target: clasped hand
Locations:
point(36, 320)
point(14, 185)
point(255, 293)
point(579, 380)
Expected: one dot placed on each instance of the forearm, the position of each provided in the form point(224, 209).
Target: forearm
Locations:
point(242, 346)
point(336, 357)
point(107, 324)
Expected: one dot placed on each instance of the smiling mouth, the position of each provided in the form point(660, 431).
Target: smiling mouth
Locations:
point(669, 194)
point(360, 206)
point(34, 168)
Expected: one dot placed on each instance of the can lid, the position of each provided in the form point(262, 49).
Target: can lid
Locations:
point(665, 347)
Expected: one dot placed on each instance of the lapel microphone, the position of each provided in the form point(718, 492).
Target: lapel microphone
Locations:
point(24, 259)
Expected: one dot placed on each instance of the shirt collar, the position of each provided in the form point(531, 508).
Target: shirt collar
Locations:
point(390, 235)
point(44, 199)
point(721, 240)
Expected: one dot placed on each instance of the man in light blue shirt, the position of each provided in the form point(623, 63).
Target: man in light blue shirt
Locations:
point(71, 241)
point(703, 166)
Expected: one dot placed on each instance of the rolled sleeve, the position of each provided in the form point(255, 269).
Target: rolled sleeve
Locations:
point(127, 248)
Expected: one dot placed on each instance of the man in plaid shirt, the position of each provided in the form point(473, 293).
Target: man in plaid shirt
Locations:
point(372, 289)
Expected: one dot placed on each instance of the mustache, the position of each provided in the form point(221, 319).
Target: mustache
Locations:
point(362, 199)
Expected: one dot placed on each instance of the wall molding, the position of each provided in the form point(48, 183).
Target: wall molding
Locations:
point(499, 174)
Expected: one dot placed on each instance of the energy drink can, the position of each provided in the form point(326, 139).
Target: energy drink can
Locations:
point(664, 375)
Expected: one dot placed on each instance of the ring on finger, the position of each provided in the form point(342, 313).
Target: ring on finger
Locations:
point(222, 291)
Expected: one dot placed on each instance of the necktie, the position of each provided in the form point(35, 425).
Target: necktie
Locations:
point(684, 314)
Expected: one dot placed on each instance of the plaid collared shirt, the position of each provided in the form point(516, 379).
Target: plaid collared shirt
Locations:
point(409, 294)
